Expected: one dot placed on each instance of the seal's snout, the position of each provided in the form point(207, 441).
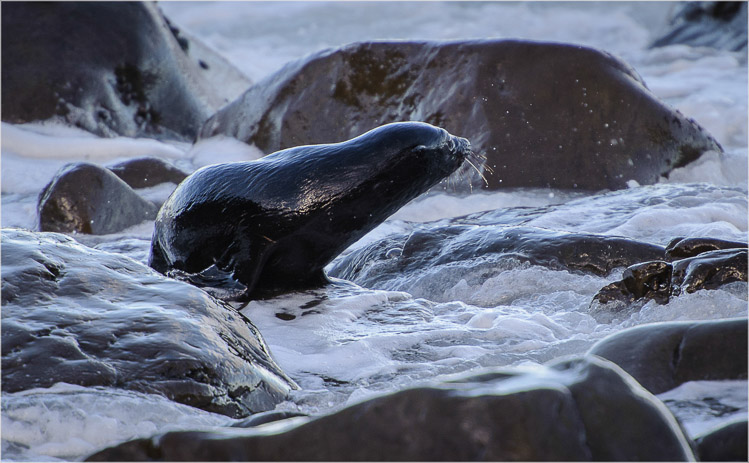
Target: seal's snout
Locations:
point(459, 147)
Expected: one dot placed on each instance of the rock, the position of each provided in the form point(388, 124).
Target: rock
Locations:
point(78, 315)
point(383, 264)
point(580, 409)
point(86, 198)
point(544, 114)
point(112, 68)
point(720, 25)
point(265, 418)
point(661, 356)
point(147, 172)
point(660, 280)
point(690, 247)
point(709, 270)
point(726, 443)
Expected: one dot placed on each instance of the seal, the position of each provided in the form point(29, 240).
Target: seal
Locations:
point(274, 223)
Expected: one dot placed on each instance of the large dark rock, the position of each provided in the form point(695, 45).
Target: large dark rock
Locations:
point(660, 281)
point(581, 409)
point(720, 25)
point(86, 198)
point(112, 68)
point(661, 356)
point(82, 316)
point(384, 263)
point(726, 443)
point(147, 172)
point(544, 114)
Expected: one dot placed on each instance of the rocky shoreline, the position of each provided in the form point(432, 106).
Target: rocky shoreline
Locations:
point(88, 317)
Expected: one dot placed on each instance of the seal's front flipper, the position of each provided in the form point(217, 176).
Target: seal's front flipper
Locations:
point(248, 263)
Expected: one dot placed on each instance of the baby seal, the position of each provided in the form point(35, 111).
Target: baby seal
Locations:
point(274, 223)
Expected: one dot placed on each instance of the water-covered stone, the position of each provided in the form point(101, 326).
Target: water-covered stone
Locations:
point(707, 24)
point(86, 198)
point(147, 172)
point(112, 68)
point(578, 409)
point(660, 356)
point(660, 280)
point(690, 247)
point(77, 315)
point(544, 114)
point(385, 263)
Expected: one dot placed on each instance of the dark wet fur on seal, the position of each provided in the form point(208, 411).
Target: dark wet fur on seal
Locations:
point(276, 222)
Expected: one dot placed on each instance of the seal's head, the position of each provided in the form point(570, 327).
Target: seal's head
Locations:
point(276, 222)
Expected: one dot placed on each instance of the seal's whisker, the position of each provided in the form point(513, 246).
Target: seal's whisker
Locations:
point(481, 174)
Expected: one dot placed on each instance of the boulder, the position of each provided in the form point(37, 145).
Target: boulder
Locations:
point(384, 263)
point(721, 25)
point(86, 198)
point(543, 114)
point(77, 315)
point(725, 443)
point(579, 409)
point(147, 172)
point(112, 68)
point(661, 356)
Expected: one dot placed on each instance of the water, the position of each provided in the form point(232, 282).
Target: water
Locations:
point(345, 343)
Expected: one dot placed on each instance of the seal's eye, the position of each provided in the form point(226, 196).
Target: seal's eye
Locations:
point(451, 144)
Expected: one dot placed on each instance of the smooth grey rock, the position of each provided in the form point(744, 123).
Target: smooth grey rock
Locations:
point(86, 198)
point(725, 443)
point(112, 68)
point(661, 356)
point(581, 409)
point(147, 172)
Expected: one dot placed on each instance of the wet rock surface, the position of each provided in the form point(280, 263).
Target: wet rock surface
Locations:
point(660, 280)
point(720, 25)
point(86, 198)
point(82, 316)
point(147, 172)
point(726, 443)
point(381, 264)
point(579, 409)
point(545, 115)
point(661, 356)
point(112, 68)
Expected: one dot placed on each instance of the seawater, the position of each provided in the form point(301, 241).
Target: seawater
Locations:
point(345, 343)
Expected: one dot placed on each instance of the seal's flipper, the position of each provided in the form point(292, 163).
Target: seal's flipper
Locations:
point(249, 262)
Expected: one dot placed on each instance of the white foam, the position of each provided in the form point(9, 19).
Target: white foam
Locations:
point(70, 422)
point(702, 406)
point(32, 154)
